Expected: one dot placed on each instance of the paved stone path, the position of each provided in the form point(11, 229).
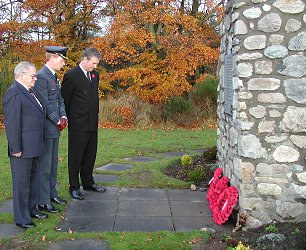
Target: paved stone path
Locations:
point(128, 209)
point(132, 209)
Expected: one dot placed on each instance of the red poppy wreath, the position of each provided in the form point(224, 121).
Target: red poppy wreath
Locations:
point(222, 198)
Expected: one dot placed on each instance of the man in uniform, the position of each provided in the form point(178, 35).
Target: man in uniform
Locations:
point(47, 86)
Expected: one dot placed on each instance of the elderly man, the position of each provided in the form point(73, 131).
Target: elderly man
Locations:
point(80, 92)
point(24, 120)
point(47, 86)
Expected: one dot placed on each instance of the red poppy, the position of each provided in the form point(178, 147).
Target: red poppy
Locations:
point(92, 76)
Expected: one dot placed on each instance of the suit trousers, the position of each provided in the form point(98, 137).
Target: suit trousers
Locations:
point(25, 180)
point(82, 150)
point(48, 172)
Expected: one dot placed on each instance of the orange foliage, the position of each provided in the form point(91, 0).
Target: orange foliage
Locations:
point(125, 113)
point(153, 48)
point(155, 51)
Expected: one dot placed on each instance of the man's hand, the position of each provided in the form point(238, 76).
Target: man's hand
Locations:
point(17, 154)
point(63, 124)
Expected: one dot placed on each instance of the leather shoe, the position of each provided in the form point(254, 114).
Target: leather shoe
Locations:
point(26, 226)
point(76, 194)
point(39, 215)
point(59, 201)
point(95, 188)
point(48, 207)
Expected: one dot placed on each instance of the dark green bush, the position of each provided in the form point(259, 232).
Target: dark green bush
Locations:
point(205, 90)
point(178, 110)
point(176, 105)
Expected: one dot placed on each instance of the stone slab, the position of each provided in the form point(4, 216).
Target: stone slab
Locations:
point(199, 151)
point(143, 208)
point(142, 194)
point(188, 223)
point(189, 208)
point(9, 230)
point(115, 167)
point(141, 159)
point(186, 195)
point(87, 223)
point(173, 154)
point(143, 224)
point(105, 178)
point(79, 244)
point(111, 193)
point(98, 208)
point(7, 207)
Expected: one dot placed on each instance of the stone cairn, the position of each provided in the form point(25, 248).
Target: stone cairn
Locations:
point(261, 108)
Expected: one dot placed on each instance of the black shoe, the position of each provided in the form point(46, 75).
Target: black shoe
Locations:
point(76, 194)
point(59, 201)
point(26, 226)
point(39, 215)
point(95, 188)
point(48, 207)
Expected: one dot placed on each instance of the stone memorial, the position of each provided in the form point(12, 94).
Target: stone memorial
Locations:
point(261, 134)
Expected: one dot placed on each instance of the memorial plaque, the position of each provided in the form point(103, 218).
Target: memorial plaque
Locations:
point(228, 83)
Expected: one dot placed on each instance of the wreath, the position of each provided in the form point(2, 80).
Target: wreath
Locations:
point(225, 205)
point(215, 190)
point(222, 198)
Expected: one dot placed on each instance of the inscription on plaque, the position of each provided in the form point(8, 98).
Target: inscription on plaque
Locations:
point(228, 83)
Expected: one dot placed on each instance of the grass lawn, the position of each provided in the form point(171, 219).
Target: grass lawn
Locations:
point(113, 146)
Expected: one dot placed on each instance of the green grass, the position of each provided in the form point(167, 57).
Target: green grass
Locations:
point(113, 146)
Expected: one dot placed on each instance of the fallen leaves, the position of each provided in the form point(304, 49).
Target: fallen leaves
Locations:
point(195, 240)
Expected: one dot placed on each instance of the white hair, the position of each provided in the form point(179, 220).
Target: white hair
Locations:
point(22, 67)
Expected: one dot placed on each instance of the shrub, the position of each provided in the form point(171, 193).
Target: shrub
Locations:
point(179, 111)
point(210, 154)
point(186, 160)
point(240, 246)
point(204, 91)
point(123, 108)
point(271, 229)
point(176, 105)
point(198, 174)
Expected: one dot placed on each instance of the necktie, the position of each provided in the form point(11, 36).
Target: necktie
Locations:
point(32, 93)
point(88, 76)
point(56, 77)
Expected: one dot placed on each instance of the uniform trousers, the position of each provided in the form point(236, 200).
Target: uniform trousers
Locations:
point(48, 172)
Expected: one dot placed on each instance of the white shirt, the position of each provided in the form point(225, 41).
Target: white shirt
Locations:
point(84, 71)
point(28, 89)
point(52, 71)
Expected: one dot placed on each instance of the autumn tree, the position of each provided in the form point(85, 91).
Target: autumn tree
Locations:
point(157, 49)
point(69, 23)
point(26, 27)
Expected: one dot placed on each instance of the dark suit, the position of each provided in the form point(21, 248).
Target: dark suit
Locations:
point(47, 86)
point(82, 107)
point(24, 121)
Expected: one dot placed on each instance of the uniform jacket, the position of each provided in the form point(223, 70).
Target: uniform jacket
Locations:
point(24, 121)
point(81, 99)
point(47, 87)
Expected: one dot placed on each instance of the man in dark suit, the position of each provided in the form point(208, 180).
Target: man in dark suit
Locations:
point(24, 120)
point(80, 93)
point(47, 86)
